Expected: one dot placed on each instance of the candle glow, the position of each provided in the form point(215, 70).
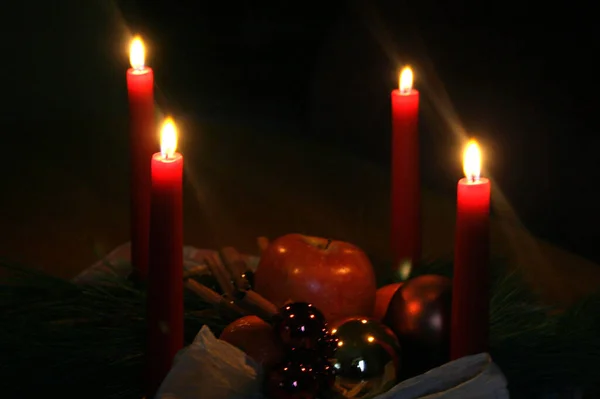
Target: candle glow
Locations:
point(168, 139)
point(470, 319)
point(405, 234)
point(137, 54)
point(405, 80)
point(472, 161)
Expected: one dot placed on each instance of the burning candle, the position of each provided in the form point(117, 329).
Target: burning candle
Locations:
point(470, 292)
point(140, 89)
point(405, 190)
point(165, 274)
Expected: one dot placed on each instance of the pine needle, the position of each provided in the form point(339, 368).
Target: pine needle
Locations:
point(63, 339)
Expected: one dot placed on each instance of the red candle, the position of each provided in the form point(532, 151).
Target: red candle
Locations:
point(165, 274)
point(470, 291)
point(406, 194)
point(140, 88)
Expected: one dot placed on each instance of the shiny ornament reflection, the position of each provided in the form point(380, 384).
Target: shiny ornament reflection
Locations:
point(366, 360)
point(328, 345)
point(301, 326)
point(419, 315)
point(293, 379)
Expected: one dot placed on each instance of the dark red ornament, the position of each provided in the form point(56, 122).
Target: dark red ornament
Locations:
point(301, 326)
point(296, 378)
point(327, 345)
point(419, 314)
point(319, 363)
point(326, 376)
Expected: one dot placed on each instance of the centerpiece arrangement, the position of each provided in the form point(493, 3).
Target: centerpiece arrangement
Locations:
point(309, 310)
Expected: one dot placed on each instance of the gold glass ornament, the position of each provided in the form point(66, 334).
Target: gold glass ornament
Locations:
point(366, 360)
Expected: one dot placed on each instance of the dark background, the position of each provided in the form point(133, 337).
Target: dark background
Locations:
point(520, 77)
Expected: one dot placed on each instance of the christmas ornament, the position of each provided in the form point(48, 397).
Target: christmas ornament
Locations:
point(293, 379)
point(326, 377)
point(335, 276)
point(301, 326)
point(320, 365)
point(366, 361)
point(382, 300)
point(419, 315)
point(327, 345)
point(256, 338)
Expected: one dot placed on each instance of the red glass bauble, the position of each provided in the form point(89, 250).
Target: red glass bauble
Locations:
point(293, 379)
point(301, 326)
point(419, 314)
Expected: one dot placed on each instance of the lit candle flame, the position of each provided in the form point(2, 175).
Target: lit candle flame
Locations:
point(405, 80)
point(168, 139)
point(137, 54)
point(472, 161)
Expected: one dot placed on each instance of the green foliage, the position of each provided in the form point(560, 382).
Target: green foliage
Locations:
point(78, 341)
point(540, 349)
point(61, 339)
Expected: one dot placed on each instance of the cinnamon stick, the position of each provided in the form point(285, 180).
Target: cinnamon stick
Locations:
point(194, 271)
point(207, 295)
point(236, 266)
point(212, 298)
point(256, 304)
point(220, 274)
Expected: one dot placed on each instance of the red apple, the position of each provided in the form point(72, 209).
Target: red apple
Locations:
point(256, 338)
point(382, 300)
point(335, 276)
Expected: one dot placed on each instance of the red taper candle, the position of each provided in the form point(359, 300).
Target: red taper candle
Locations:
point(470, 291)
point(165, 273)
point(140, 89)
point(405, 187)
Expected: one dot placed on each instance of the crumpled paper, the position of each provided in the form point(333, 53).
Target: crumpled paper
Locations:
point(213, 369)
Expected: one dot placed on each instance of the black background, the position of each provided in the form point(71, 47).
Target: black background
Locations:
point(521, 77)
